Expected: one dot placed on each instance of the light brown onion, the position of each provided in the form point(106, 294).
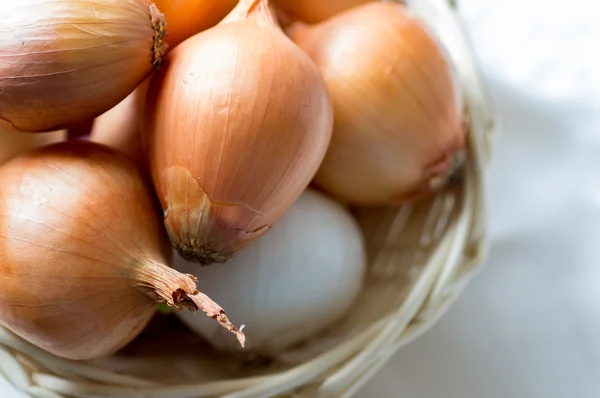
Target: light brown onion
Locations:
point(313, 11)
point(237, 122)
point(398, 130)
point(187, 17)
point(65, 62)
point(83, 253)
point(14, 142)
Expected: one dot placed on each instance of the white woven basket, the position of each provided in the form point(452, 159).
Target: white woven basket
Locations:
point(421, 256)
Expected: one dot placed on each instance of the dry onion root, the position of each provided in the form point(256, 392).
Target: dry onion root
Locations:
point(398, 130)
point(65, 62)
point(237, 122)
point(83, 253)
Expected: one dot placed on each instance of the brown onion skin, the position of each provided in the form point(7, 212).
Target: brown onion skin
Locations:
point(185, 18)
point(398, 131)
point(313, 11)
point(76, 225)
point(237, 122)
point(66, 62)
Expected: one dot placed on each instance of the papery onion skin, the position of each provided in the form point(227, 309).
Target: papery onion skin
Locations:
point(398, 131)
point(237, 122)
point(14, 142)
point(65, 62)
point(185, 18)
point(313, 11)
point(82, 251)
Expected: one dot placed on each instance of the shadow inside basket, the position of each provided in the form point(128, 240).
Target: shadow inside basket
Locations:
point(400, 242)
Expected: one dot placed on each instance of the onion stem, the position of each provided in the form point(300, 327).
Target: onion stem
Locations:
point(177, 290)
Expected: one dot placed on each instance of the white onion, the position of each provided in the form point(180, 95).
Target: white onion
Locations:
point(298, 279)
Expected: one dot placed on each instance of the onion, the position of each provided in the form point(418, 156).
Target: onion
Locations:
point(398, 130)
point(65, 62)
point(313, 11)
point(120, 127)
point(14, 142)
point(300, 278)
point(83, 253)
point(185, 18)
point(237, 122)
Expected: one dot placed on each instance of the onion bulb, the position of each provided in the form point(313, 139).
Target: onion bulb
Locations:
point(298, 279)
point(185, 18)
point(313, 11)
point(65, 62)
point(398, 130)
point(237, 122)
point(82, 252)
point(120, 127)
point(14, 142)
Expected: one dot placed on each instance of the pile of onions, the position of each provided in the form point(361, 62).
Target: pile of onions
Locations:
point(398, 129)
point(185, 18)
point(65, 62)
point(237, 122)
point(83, 254)
point(208, 156)
point(300, 278)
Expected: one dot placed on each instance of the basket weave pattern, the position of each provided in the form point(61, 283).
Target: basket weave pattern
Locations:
point(421, 256)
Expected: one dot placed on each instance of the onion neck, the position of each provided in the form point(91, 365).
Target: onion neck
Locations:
point(165, 285)
point(258, 11)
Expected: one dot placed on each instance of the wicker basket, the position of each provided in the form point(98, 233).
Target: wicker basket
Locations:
point(421, 256)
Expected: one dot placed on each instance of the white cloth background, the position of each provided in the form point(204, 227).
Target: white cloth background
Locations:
point(529, 325)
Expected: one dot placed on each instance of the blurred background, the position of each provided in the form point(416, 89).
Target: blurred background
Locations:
point(529, 324)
